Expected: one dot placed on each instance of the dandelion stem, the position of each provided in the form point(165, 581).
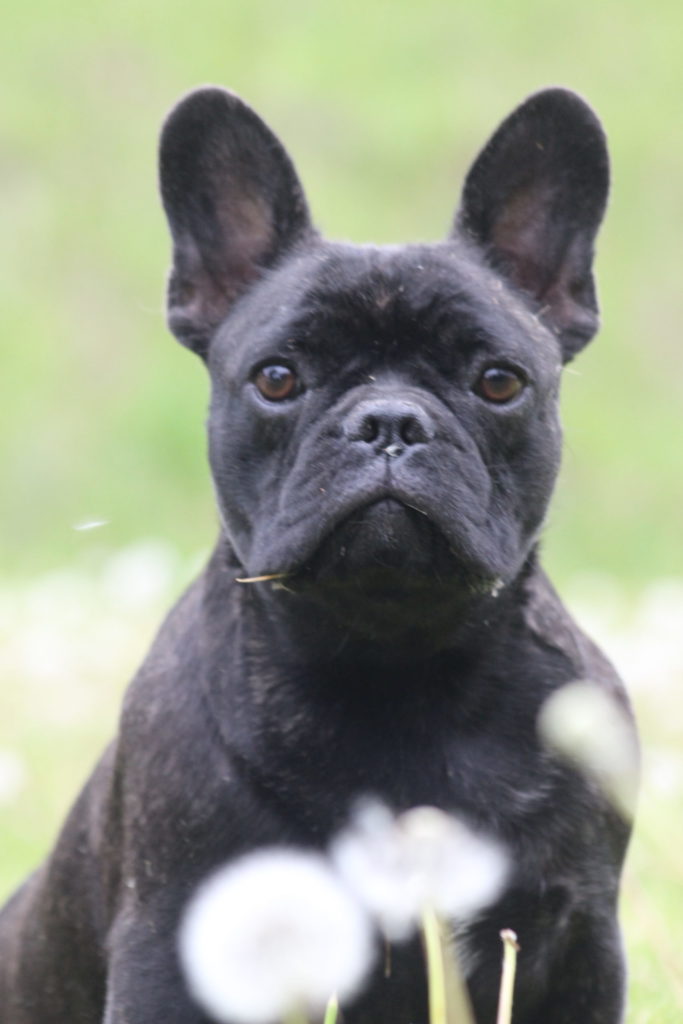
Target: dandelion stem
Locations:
point(296, 1016)
point(449, 1001)
point(332, 1010)
point(507, 979)
point(436, 976)
point(387, 958)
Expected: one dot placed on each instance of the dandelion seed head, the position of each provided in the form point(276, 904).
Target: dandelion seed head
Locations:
point(586, 725)
point(273, 932)
point(139, 575)
point(12, 776)
point(399, 866)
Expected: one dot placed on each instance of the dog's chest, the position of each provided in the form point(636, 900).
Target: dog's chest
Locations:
point(407, 753)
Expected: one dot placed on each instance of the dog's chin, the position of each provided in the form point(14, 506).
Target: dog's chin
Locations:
point(388, 570)
point(385, 537)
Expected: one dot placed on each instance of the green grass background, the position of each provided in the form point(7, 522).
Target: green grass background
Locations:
point(382, 106)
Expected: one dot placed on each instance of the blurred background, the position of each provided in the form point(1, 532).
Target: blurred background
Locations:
point(106, 503)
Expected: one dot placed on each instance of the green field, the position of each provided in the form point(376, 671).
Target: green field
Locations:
point(382, 105)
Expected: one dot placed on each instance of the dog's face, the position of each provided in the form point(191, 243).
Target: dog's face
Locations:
point(393, 414)
point(383, 421)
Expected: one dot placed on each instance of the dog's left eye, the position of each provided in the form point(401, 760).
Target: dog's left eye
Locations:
point(499, 384)
point(276, 383)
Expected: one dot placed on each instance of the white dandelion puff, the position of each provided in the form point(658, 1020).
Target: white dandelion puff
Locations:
point(588, 726)
point(422, 859)
point(136, 577)
point(12, 776)
point(272, 934)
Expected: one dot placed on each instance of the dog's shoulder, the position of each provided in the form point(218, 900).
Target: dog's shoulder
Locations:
point(163, 708)
point(552, 626)
point(175, 651)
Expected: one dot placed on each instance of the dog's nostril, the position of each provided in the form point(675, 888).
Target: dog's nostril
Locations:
point(384, 424)
point(412, 431)
point(369, 429)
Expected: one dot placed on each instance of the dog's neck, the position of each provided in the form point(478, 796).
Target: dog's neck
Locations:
point(288, 686)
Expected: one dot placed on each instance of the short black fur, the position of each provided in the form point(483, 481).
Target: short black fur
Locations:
point(411, 638)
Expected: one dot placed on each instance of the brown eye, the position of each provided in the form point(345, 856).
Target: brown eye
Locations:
point(499, 384)
point(276, 383)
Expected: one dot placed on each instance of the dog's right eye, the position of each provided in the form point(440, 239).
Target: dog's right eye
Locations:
point(499, 384)
point(276, 383)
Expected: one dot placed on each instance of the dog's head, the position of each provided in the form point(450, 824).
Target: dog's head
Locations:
point(384, 419)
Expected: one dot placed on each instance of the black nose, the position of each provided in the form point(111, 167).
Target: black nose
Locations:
point(389, 425)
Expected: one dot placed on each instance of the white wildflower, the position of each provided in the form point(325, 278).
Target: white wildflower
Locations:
point(271, 934)
point(587, 725)
point(422, 859)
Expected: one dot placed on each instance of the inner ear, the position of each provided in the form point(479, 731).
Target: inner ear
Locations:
point(534, 200)
point(234, 205)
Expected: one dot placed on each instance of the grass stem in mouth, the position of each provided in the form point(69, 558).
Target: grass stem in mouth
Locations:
point(261, 579)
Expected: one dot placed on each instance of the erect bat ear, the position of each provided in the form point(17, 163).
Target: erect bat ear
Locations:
point(534, 200)
point(234, 206)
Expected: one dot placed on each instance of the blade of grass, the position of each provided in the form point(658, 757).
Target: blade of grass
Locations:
point(260, 579)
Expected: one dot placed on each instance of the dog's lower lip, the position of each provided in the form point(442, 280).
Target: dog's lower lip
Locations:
point(301, 561)
point(387, 536)
point(387, 499)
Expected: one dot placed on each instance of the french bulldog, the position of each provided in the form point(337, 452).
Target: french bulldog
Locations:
point(384, 439)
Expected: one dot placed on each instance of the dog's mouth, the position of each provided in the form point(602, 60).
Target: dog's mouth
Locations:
point(385, 549)
point(386, 570)
point(385, 534)
point(378, 544)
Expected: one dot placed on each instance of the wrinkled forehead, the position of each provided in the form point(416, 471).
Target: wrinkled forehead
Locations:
point(397, 298)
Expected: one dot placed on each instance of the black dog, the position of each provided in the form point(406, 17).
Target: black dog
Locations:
point(384, 439)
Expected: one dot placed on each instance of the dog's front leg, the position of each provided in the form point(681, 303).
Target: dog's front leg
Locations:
point(588, 983)
point(144, 984)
